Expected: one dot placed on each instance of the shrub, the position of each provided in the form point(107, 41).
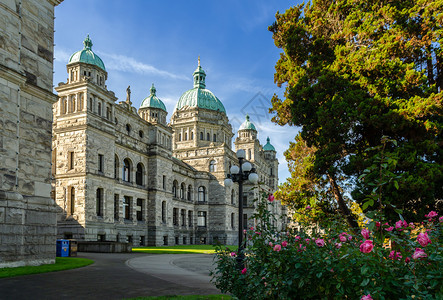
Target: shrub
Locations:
point(328, 261)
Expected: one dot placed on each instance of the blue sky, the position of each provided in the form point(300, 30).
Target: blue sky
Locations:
point(145, 42)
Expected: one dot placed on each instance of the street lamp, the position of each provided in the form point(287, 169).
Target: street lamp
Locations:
point(241, 174)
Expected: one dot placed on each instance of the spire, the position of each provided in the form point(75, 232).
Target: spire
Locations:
point(87, 43)
point(153, 90)
point(247, 117)
point(199, 76)
point(268, 140)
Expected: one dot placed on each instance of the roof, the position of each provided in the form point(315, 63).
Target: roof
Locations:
point(87, 56)
point(268, 146)
point(152, 101)
point(247, 125)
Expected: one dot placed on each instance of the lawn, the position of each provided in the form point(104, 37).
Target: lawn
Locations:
point(190, 297)
point(180, 249)
point(61, 263)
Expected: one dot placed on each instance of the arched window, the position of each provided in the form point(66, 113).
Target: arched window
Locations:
point(232, 197)
point(208, 137)
point(108, 113)
point(212, 166)
point(64, 105)
point(116, 166)
point(139, 174)
point(189, 197)
point(128, 128)
point(99, 109)
point(126, 175)
point(179, 137)
point(201, 194)
point(192, 135)
point(182, 191)
point(249, 154)
point(201, 136)
point(186, 136)
point(72, 201)
point(164, 211)
point(91, 104)
point(214, 138)
point(174, 188)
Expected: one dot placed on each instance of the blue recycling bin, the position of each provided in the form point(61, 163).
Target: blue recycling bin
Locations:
point(62, 249)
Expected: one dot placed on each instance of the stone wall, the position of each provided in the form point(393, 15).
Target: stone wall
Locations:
point(27, 213)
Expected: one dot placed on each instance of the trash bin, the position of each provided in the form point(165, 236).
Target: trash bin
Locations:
point(62, 249)
point(73, 247)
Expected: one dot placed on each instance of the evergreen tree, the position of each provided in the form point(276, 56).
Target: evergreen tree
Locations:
point(355, 72)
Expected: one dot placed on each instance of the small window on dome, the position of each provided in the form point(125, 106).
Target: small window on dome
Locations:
point(140, 134)
point(89, 74)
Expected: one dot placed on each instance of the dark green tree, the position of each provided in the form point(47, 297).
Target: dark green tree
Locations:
point(356, 71)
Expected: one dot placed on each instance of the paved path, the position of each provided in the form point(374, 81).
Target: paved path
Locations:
point(117, 276)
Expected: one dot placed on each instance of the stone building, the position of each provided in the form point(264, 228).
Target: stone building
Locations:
point(123, 174)
point(27, 212)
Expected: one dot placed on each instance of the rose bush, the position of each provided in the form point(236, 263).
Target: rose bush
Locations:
point(329, 261)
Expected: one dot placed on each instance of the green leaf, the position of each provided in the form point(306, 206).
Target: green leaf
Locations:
point(365, 282)
point(396, 184)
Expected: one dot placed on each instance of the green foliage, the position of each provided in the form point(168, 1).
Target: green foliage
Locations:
point(190, 297)
point(356, 71)
point(324, 261)
point(61, 263)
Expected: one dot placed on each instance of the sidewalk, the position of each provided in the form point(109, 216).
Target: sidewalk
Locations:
point(117, 276)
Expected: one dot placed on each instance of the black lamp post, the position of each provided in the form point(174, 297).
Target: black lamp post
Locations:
point(241, 174)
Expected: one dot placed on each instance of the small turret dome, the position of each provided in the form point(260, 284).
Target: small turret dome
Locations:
point(247, 125)
point(199, 96)
point(152, 101)
point(87, 56)
point(268, 146)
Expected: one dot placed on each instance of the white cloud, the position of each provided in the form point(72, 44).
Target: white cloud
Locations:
point(124, 63)
point(61, 55)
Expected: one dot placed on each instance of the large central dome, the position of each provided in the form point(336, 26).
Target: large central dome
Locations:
point(87, 56)
point(199, 96)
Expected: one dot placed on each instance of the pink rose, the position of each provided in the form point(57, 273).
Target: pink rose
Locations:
point(270, 244)
point(431, 214)
point(338, 245)
point(423, 239)
point(399, 225)
point(366, 297)
point(297, 238)
point(320, 242)
point(259, 233)
point(277, 247)
point(390, 228)
point(284, 243)
point(342, 237)
point(407, 260)
point(233, 254)
point(367, 246)
point(412, 225)
point(440, 219)
point(405, 224)
point(419, 253)
point(378, 224)
point(271, 197)
point(308, 207)
point(301, 248)
point(395, 255)
point(365, 233)
point(244, 271)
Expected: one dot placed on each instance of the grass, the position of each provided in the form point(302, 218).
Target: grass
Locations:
point(190, 297)
point(61, 263)
point(180, 249)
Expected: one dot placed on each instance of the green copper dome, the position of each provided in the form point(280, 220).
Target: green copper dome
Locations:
point(247, 125)
point(87, 56)
point(152, 101)
point(268, 146)
point(199, 96)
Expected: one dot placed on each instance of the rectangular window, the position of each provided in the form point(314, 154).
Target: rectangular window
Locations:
point(175, 216)
point(99, 202)
point(183, 217)
point(190, 218)
point(127, 208)
point(165, 240)
point(142, 240)
point(140, 209)
point(164, 182)
point(100, 163)
point(71, 160)
point(184, 240)
point(245, 199)
point(116, 206)
point(245, 221)
point(201, 218)
point(176, 240)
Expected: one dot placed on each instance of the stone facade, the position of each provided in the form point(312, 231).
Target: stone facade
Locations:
point(27, 212)
point(125, 175)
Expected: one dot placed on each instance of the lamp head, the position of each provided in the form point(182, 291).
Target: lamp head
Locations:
point(241, 153)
